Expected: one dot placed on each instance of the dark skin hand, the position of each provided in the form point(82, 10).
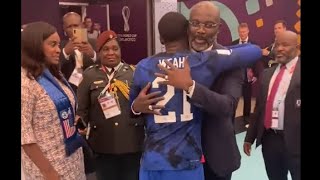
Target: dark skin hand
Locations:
point(143, 100)
point(178, 78)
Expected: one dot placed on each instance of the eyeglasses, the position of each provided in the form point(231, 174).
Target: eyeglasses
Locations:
point(207, 25)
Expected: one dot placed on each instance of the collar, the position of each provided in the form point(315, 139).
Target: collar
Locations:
point(115, 68)
point(246, 40)
point(291, 63)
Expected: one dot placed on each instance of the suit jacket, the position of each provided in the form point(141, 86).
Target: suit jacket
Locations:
point(270, 56)
point(218, 135)
point(116, 135)
point(257, 67)
point(67, 66)
point(292, 114)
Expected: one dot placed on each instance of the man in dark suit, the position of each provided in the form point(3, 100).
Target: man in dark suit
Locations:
point(250, 76)
point(221, 152)
point(76, 56)
point(276, 122)
point(268, 52)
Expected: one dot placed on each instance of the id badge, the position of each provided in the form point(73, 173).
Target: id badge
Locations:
point(76, 77)
point(109, 105)
point(275, 119)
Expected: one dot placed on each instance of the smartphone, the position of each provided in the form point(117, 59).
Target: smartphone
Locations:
point(80, 124)
point(81, 35)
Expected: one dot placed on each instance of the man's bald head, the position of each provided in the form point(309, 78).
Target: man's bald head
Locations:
point(205, 6)
point(289, 36)
point(67, 16)
point(71, 20)
point(286, 46)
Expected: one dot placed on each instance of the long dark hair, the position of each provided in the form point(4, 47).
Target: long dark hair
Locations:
point(32, 55)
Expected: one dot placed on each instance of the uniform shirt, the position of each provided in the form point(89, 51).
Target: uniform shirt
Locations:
point(173, 140)
point(279, 100)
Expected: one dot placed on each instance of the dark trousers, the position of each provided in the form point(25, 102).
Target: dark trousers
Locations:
point(118, 167)
point(89, 160)
point(246, 93)
point(209, 174)
point(276, 158)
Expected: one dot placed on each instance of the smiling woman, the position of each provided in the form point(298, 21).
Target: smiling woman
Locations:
point(103, 94)
point(51, 146)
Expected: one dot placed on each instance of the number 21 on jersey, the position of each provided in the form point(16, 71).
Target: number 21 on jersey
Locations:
point(171, 117)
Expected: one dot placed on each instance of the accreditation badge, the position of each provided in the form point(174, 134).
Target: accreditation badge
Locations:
point(109, 105)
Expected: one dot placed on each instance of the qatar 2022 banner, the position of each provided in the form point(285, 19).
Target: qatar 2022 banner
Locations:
point(129, 20)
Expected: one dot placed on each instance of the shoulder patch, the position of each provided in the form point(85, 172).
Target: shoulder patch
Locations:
point(91, 67)
point(95, 65)
point(133, 67)
point(224, 51)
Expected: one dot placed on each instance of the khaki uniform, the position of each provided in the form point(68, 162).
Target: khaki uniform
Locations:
point(117, 135)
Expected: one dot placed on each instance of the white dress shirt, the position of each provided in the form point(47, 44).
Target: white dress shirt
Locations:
point(278, 103)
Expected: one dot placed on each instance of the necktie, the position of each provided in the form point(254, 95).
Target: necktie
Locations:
point(269, 104)
point(111, 71)
point(243, 42)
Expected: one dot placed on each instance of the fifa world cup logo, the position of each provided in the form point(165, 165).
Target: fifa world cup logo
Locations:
point(126, 15)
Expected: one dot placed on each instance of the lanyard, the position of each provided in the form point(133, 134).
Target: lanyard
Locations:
point(110, 77)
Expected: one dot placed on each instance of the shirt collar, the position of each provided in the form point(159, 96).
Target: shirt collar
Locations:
point(291, 63)
point(246, 40)
point(115, 68)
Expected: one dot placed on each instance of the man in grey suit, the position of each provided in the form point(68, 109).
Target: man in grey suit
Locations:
point(276, 121)
point(221, 153)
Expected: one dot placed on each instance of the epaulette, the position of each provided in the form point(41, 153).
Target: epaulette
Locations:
point(133, 67)
point(90, 67)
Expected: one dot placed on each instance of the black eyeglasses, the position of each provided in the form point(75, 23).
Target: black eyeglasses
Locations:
point(207, 25)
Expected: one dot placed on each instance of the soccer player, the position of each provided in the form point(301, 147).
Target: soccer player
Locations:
point(173, 144)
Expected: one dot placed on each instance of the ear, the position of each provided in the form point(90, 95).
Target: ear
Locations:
point(161, 40)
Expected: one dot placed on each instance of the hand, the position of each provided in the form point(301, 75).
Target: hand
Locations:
point(87, 49)
point(265, 52)
point(247, 148)
point(143, 100)
point(76, 119)
point(254, 79)
point(71, 46)
point(51, 175)
point(83, 132)
point(178, 78)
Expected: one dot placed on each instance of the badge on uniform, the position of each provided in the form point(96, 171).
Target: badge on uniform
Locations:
point(275, 119)
point(109, 105)
point(298, 103)
point(98, 82)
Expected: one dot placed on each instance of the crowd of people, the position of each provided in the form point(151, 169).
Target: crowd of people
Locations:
point(85, 112)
